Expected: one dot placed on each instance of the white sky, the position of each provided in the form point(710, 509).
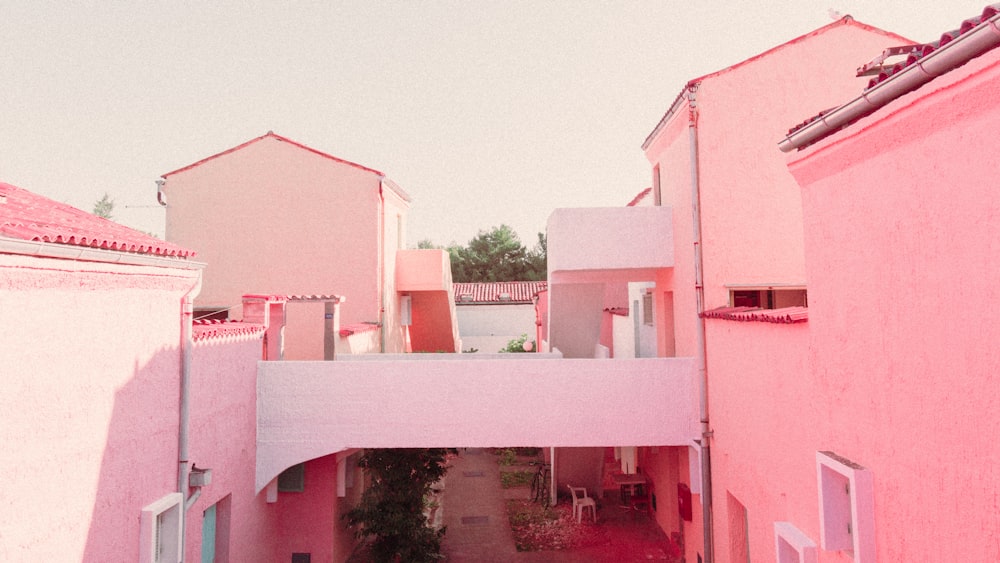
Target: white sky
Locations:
point(485, 112)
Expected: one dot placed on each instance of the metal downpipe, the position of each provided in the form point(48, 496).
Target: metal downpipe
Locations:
point(699, 288)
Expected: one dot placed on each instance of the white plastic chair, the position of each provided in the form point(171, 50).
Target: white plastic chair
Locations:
point(581, 502)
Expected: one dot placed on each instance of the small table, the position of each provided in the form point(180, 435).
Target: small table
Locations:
point(628, 482)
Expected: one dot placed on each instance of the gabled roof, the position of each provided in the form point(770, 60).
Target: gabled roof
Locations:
point(846, 20)
point(272, 135)
point(31, 217)
point(917, 65)
point(517, 292)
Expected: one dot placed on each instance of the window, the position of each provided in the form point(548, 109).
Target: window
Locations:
point(161, 528)
point(647, 308)
point(792, 546)
point(846, 507)
point(293, 479)
point(768, 297)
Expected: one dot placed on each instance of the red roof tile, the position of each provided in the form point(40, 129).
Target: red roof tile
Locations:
point(895, 60)
point(28, 216)
point(205, 330)
point(787, 315)
point(517, 292)
point(347, 330)
point(642, 195)
point(272, 135)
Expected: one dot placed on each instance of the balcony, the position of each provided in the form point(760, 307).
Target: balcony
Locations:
point(307, 410)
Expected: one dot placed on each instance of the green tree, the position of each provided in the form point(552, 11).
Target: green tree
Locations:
point(497, 255)
point(104, 207)
point(391, 510)
point(517, 345)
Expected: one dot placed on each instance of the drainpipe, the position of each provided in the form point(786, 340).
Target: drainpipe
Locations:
point(381, 274)
point(186, 346)
point(699, 290)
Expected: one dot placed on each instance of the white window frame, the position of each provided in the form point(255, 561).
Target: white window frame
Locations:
point(793, 546)
point(161, 530)
point(846, 507)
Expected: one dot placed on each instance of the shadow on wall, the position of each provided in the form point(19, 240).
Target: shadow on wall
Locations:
point(139, 463)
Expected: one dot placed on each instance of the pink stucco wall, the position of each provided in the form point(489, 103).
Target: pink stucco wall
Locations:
point(223, 429)
point(273, 217)
point(750, 205)
point(89, 430)
point(902, 236)
point(766, 413)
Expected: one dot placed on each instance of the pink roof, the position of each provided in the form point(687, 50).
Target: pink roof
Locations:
point(497, 292)
point(205, 330)
point(641, 196)
point(28, 216)
point(271, 134)
point(787, 315)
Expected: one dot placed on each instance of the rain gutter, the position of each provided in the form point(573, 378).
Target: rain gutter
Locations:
point(90, 254)
point(960, 50)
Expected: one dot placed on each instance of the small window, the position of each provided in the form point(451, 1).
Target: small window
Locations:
point(768, 298)
point(846, 507)
point(161, 528)
point(792, 546)
point(647, 309)
point(293, 479)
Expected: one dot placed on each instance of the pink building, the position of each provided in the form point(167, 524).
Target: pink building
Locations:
point(92, 362)
point(277, 217)
point(846, 438)
point(713, 160)
point(116, 403)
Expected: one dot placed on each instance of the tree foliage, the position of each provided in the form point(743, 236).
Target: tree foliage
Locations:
point(104, 207)
point(391, 510)
point(517, 345)
point(496, 255)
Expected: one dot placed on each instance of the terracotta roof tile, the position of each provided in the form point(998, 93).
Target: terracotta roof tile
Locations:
point(638, 198)
point(205, 330)
point(355, 328)
point(517, 292)
point(895, 60)
point(28, 216)
point(787, 315)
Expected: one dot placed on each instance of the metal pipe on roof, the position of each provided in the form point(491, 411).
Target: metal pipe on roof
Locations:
point(701, 354)
point(971, 44)
point(184, 410)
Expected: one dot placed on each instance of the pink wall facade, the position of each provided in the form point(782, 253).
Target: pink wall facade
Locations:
point(744, 184)
point(274, 217)
point(91, 362)
point(902, 237)
point(223, 426)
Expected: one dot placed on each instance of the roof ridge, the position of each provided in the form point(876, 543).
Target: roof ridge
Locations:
point(275, 136)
